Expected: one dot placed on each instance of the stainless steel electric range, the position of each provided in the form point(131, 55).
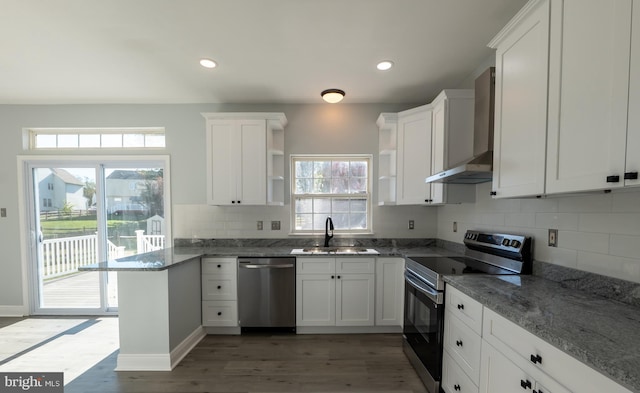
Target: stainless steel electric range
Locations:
point(485, 253)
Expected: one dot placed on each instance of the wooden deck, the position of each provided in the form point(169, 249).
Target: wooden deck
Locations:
point(78, 290)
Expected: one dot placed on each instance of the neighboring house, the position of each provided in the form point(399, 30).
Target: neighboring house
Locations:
point(125, 192)
point(57, 187)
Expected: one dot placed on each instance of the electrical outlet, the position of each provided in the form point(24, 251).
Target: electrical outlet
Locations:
point(259, 226)
point(3, 212)
point(553, 238)
point(455, 226)
point(275, 225)
point(411, 224)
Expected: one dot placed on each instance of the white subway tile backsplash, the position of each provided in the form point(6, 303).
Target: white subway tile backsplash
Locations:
point(599, 232)
point(625, 246)
point(608, 265)
point(618, 223)
point(560, 221)
point(585, 241)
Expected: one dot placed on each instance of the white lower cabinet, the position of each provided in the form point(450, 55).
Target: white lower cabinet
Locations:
point(389, 292)
point(220, 292)
point(501, 375)
point(335, 291)
point(462, 342)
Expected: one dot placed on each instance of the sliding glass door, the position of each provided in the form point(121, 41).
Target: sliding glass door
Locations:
point(83, 212)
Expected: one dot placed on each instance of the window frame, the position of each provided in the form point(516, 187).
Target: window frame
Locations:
point(332, 157)
point(31, 135)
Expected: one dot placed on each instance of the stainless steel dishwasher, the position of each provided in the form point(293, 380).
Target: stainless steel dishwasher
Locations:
point(267, 293)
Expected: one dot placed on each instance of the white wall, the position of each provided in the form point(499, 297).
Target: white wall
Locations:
point(312, 129)
point(599, 233)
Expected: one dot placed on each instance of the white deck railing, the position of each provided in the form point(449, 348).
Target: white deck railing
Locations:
point(65, 255)
point(146, 243)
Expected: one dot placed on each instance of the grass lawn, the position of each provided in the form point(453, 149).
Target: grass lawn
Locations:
point(78, 226)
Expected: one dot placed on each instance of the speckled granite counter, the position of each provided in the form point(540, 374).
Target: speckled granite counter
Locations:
point(602, 333)
point(150, 261)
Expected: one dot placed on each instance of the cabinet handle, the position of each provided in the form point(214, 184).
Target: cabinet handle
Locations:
point(219, 312)
point(332, 277)
point(613, 179)
point(239, 202)
point(456, 387)
point(538, 391)
point(631, 176)
point(233, 201)
point(493, 193)
point(525, 384)
point(219, 266)
point(459, 343)
point(460, 306)
point(219, 286)
point(536, 359)
point(338, 277)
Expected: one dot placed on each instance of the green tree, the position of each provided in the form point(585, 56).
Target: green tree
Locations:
point(88, 191)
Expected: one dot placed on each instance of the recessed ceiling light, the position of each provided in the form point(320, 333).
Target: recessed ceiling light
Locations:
point(208, 63)
point(332, 96)
point(384, 65)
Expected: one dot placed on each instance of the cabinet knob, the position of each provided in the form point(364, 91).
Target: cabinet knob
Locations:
point(535, 359)
point(525, 384)
point(219, 312)
point(239, 202)
point(456, 387)
point(613, 179)
point(219, 286)
point(219, 266)
point(233, 201)
point(538, 391)
point(332, 277)
point(631, 176)
point(493, 193)
point(461, 306)
point(459, 343)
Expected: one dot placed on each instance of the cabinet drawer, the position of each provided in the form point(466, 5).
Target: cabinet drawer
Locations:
point(464, 307)
point(219, 266)
point(453, 378)
point(463, 345)
point(523, 348)
point(219, 287)
point(219, 313)
point(315, 265)
point(356, 265)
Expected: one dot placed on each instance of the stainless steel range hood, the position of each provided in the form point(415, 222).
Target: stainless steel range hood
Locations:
point(477, 169)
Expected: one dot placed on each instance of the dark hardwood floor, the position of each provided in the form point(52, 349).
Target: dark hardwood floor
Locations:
point(270, 363)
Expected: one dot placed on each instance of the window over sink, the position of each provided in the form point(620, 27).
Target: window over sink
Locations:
point(336, 186)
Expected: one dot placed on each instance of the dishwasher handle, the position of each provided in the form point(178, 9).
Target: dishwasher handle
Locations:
point(247, 265)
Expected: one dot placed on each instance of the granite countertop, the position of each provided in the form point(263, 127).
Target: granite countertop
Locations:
point(150, 261)
point(602, 333)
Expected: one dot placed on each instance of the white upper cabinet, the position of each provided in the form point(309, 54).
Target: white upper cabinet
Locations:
point(588, 94)
point(633, 129)
point(521, 103)
point(451, 143)
point(414, 156)
point(237, 150)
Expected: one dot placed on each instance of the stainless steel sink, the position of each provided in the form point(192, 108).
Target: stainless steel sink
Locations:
point(341, 250)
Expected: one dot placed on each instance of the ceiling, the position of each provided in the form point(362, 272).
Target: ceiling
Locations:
point(268, 51)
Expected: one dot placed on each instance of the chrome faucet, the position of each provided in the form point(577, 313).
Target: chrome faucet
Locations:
point(328, 226)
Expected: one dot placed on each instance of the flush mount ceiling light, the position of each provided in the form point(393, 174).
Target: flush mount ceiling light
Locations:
point(208, 63)
point(384, 65)
point(332, 96)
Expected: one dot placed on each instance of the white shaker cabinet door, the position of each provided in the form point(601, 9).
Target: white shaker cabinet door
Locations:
point(521, 105)
point(632, 167)
point(315, 300)
point(414, 156)
point(588, 94)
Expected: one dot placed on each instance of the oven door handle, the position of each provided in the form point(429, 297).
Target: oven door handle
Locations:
point(432, 294)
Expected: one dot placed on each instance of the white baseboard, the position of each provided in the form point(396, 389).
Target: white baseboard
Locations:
point(348, 329)
point(13, 311)
point(144, 362)
point(160, 361)
point(180, 351)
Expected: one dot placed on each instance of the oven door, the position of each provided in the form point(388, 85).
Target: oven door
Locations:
point(424, 328)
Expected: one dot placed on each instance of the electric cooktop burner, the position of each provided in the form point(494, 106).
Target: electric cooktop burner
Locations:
point(459, 265)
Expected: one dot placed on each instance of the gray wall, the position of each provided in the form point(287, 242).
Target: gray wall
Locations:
point(318, 128)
